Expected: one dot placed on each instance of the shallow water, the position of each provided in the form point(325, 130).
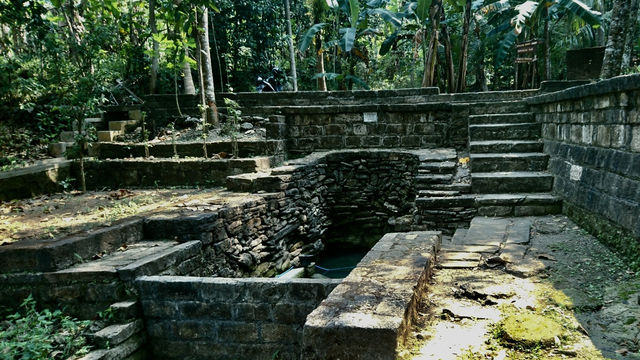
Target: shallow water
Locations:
point(339, 263)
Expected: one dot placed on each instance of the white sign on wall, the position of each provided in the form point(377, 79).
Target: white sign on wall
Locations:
point(370, 117)
point(575, 173)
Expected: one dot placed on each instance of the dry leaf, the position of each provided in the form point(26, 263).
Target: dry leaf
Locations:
point(123, 247)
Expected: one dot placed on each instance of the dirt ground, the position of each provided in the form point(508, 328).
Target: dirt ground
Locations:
point(585, 289)
point(51, 216)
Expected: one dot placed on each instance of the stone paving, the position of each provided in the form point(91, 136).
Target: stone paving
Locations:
point(504, 271)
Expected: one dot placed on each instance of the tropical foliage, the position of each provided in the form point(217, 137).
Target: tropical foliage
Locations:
point(64, 53)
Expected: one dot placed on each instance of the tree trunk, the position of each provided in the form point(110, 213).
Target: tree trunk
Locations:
point(209, 91)
point(612, 63)
point(480, 75)
point(187, 78)
point(461, 85)
point(451, 76)
point(432, 50)
point(156, 48)
point(547, 46)
point(322, 81)
point(630, 38)
point(292, 54)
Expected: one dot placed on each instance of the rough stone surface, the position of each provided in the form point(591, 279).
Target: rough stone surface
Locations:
point(377, 300)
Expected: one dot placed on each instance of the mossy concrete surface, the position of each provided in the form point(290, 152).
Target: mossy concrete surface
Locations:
point(531, 330)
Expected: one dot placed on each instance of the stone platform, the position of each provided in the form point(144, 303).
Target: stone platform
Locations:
point(370, 313)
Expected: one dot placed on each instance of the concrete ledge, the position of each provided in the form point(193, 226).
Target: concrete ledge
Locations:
point(620, 83)
point(47, 256)
point(34, 180)
point(370, 313)
point(155, 263)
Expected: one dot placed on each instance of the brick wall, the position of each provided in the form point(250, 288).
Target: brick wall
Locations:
point(593, 136)
point(214, 318)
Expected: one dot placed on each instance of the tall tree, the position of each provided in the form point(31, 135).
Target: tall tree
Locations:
point(292, 54)
point(612, 63)
point(461, 84)
point(155, 63)
point(432, 49)
point(207, 72)
point(631, 35)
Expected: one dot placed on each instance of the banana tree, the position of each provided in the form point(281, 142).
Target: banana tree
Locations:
point(526, 17)
point(346, 43)
point(413, 21)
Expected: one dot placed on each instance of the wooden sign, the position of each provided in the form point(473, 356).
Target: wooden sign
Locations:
point(528, 49)
point(529, 43)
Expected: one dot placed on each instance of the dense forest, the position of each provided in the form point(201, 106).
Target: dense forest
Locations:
point(64, 57)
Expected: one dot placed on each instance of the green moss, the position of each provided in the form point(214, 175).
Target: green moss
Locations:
point(530, 330)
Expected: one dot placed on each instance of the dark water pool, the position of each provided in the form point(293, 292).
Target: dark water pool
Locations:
point(338, 264)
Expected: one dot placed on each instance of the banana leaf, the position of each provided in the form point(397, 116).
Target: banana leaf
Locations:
point(349, 38)
point(394, 19)
point(356, 80)
point(388, 43)
point(422, 10)
point(582, 11)
point(308, 36)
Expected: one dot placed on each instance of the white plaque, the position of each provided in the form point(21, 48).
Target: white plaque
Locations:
point(370, 117)
point(576, 173)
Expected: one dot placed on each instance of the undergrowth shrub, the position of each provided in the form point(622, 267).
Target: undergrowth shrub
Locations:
point(33, 334)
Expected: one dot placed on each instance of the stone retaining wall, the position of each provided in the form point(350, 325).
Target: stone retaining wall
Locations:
point(360, 193)
point(138, 172)
point(33, 180)
point(592, 133)
point(214, 318)
point(245, 149)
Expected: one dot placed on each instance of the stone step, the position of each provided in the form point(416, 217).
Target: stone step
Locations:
point(431, 179)
point(68, 136)
point(108, 135)
point(498, 107)
point(501, 118)
point(519, 204)
point(523, 131)
point(445, 202)
point(444, 167)
point(437, 193)
point(505, 146)
point(120, 125)
point(509, 162)
point(462, 188)
point(155, 263)
point(511, 182)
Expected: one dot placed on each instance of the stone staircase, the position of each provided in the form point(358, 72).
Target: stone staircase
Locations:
point(508, 166)
point(117, 128)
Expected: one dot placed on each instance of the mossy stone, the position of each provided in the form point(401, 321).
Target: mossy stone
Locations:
point(531, 330)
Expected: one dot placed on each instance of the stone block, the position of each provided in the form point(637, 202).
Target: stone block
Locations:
point(233, 332)
point(57, 149)
point(276, 131)
point(117, 334)
point(125, 311)
point(373, 302)
point(281, 334)
point(497, 211)
point(169, 225)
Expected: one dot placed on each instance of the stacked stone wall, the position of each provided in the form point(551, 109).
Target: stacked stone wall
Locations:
point(592, 134)
point(213, 318)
